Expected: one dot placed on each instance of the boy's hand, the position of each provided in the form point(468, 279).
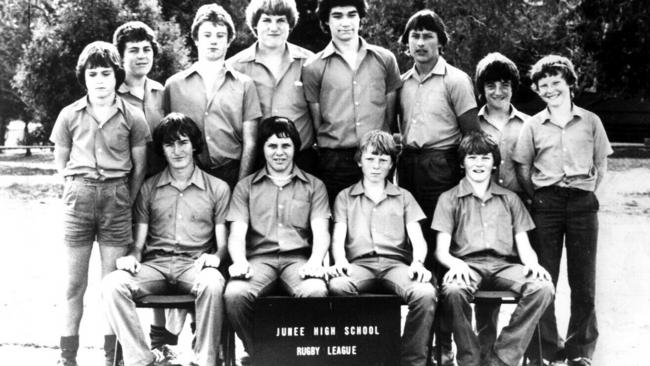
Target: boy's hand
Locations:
point(240, 270)
point(458, 273)
point(341, 268)
point(418, 273)
point(311, 270)
point(128, 263)
point(207, 260)
point(537, 272)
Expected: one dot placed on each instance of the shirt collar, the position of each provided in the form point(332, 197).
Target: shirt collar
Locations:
point(84, 103)
point(465, 189)
point(196, 179)
point(440, 68)
point(295, 172)
point(390, 189)
point(250, 53)
point(575, 110)
point(195, 69)
point(514, 113)
point(149, 85)
point(330, 49)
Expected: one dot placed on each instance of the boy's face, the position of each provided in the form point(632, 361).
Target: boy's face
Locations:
point(179, 154)
point(100, 81)
point(138, 58)
point(498, 94)
point(554, 90)
point(375, 167)
point(272, 31)
point(278, 153)
point(478, 167)
point(212, 41)
point(424, 46)
point(344, 23)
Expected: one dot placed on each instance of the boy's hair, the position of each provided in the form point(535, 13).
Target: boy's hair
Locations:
point(552, 65)
point(478, 143)
point(495, 67)
point(428, 20)
point(377, 142)
point(256, 8)
point(215, 14)
point(325, 7)
point(172, 127)
point(134, 31)
point(99, 54)
point(281, 127)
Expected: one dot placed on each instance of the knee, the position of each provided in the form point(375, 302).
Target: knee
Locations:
point(115, 284)
point(312, 287)
point(543, 290)
point(455, 293)
point(236, 294)
point(423, 294)
point(341, 286)
point(210, 282)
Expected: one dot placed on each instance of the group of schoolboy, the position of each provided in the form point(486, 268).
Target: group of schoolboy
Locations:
point(261, 123)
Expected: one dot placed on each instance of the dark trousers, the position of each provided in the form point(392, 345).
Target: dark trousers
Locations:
point(307, 160)
point(338, 170)
point(568, 216)
point(228, 172)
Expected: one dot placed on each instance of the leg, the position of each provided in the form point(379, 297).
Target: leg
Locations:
point(360, 278)
point(307, 160)
point(581, 246)
point(109, 255)
point(338, 170)
point(487, 320)
point(291, 281)
point(241, 294)
point(421, 300)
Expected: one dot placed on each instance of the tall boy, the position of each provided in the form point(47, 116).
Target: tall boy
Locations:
point(378, 240)
point(99, 149)
point(562, 155)
point(275, 66)
point(222, 101)
point(490, 249)
point(351, 89)
point(180, 240)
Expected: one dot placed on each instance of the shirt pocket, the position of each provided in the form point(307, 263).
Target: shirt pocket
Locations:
point(391, 226)
point(377, 93)
point(504, 230)
point(299, 214)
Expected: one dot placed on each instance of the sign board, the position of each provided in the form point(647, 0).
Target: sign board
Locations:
point(342, 331)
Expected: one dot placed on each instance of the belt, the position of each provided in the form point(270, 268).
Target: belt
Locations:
point(79, 178)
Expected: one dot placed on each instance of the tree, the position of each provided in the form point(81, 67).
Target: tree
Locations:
point(45, 76)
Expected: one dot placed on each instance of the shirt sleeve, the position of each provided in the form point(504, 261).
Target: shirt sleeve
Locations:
point(141, 208)
point(222, 198)
point(524, 151)
point(602, 147)
point(461, 93)
point(320, 207)
point(412, 210)
point(341, 207)
point(393, 77)
point(61, 131)
point(443, 216)
point(252, 109)
point(521, 220)
point(238, 208)
point(140, 133)
point(311, 80)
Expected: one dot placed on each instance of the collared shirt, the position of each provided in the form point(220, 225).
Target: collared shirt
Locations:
point(181, 221)
point(563, 156)
point(100, 150)
point(431, 104)
point(506, 137)
point(378, 228)
point(481, 225)
point(279, 218)
point(152, 106)
point(221, 117)
point(352, 102)
point(284, 97)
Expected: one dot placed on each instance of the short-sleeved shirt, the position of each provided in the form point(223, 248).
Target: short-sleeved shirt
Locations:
point(100, 150)
point(377, 228)
point(481, 225)
point(506, 137)
point(181, 222)
point(352, 102)
point(152, 106)
point(221, 117)
point(284, 97)
point(279, 218)
point(431, 104)
point(563, 156)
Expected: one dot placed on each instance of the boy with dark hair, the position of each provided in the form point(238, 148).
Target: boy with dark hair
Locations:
point(276, 67)
point(222, 101)
point(351, 87)
point(180, 240)
point(483, 218)
point(279, 221)
point(99, 149)
point(562, 158)
point(378, 241)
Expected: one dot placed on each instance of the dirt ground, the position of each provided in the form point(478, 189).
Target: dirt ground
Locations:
point(32, 272)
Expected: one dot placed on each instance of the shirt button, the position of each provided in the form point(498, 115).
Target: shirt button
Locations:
point(358, 124)
point(280, 224)
point(354, 82)
point(99, 150)
point(207, 137)
point(280, 188)
point(374, 209)
point(356, 103)
point(180, 216)
point(206, 114)
point(483, 204)
point(500, 180)
point(280, 206)
point(180, 194)
point(485, 224)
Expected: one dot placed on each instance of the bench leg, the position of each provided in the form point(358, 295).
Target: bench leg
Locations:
point(117, 360)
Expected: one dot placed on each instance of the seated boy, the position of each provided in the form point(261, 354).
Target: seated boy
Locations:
point(374, 222)
point(482, 218)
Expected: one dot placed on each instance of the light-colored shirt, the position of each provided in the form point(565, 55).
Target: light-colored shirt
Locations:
point(279, 218)
point(220, 117)
point(352, 102)
point(481, 225)
point(100, 150)
point(377, 228)
point(563, 156)
point(183, 221)
point(431, 104)
point(283, 97)
point(506, 137)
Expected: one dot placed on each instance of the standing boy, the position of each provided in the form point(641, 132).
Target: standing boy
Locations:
point(351, 89)
point(378, 240)
point(490, 249)
point(99, 149)
point(562, 158)
point(222, 101)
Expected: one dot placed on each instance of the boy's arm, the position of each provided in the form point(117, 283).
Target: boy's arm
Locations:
point(61, 157)
point(138, 157)
point(390, 117)
point(524, 175)
point(341, 263)
point(417, 271)
point(468, 121)
point(601, 169)
point(131, 261)
point(249, 146)
point(314, 108)
point(321, 243)
point(240, 267)
point(529, 258)
point(214, 259)
point(458, 269)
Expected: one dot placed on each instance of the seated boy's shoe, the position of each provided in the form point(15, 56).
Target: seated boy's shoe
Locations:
point(160, 359)
point(494, 360)
point(448, 357)
point(66, 362)
point(580, 361)
point(245, 360)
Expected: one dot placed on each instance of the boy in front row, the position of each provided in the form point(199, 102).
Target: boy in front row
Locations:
point(483, 218)
point(374, 221)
